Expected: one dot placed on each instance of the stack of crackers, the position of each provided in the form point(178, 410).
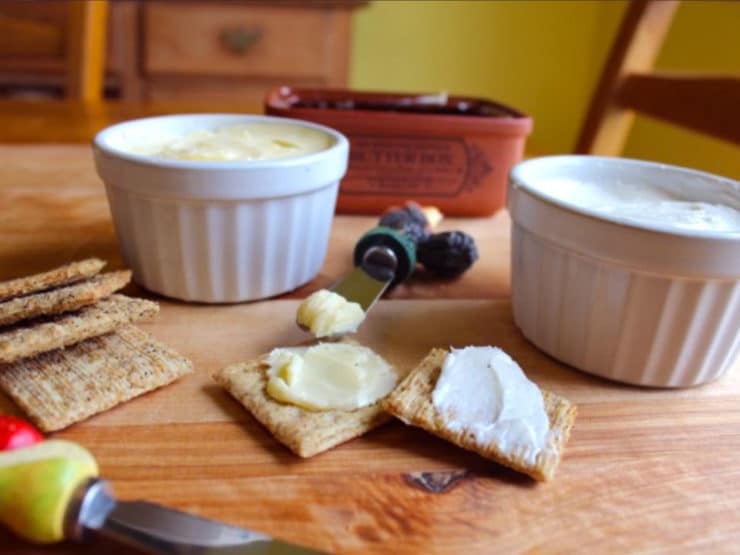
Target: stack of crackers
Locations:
point(68, 349)
point(307, 432)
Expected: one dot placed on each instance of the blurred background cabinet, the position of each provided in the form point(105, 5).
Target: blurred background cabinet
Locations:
point(181, 50)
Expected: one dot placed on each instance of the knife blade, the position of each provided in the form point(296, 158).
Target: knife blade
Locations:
point(383, 258)
point(94, 511)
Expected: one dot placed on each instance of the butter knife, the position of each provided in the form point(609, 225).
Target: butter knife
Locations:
point(383, 257)
point(152, 528)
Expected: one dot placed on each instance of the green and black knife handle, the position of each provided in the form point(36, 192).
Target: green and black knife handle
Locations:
point(400, 245)
point(383, 250)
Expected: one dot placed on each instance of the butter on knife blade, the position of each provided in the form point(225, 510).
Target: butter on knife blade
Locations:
point(383, 257)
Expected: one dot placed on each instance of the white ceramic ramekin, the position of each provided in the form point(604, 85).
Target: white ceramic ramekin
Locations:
point(635, 303)
point(218, 232)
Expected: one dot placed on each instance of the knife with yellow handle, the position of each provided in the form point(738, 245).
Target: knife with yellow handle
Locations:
point(50, 492)
point(37, 484)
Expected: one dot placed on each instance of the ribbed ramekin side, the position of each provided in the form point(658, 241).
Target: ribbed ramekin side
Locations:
point(223, 251)
point(622, 324)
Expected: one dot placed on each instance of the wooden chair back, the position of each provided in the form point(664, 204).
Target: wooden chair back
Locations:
point(700, 102)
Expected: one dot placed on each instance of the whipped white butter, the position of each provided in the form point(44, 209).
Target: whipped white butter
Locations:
point(482, 391)
point(250, 141)
point(344, 376)
point(645, 204)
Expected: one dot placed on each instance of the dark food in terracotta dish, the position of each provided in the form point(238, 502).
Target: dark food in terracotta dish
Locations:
point(459, 107)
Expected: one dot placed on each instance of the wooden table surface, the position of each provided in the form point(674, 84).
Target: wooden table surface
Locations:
point(69, 121)
point(645, 471)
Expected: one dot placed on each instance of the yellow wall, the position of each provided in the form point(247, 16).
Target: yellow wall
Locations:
point(542, 57)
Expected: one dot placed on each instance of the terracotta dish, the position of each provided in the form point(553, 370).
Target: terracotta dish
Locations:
point(452, 152)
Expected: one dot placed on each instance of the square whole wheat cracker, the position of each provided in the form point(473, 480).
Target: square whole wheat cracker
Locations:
point(62, 299)
point(46, 334)
point(63, 275)
point(61, 387)
point(411, 402)
point(305, 432)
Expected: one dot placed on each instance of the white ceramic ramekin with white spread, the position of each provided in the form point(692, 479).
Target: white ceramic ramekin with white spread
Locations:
point(223, 229)
point(627, 269)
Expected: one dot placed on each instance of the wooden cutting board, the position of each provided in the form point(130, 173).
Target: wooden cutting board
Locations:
point(645, 469)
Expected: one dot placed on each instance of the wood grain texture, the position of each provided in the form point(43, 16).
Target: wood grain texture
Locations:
point(645, 470)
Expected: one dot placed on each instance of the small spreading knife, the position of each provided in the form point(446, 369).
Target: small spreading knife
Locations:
point(383, 257)
point(50, 491)
point(156, 529)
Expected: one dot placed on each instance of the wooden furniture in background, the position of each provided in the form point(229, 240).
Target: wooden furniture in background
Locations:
point(86, 39)
point(180, 50)
point(701, 102)
point(228, 50)
point(32, 47)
